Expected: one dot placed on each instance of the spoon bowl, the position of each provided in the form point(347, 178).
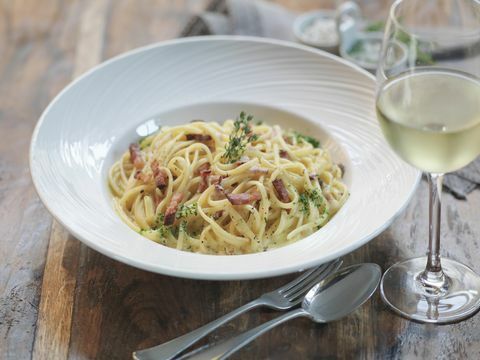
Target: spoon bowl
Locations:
point(342, 292)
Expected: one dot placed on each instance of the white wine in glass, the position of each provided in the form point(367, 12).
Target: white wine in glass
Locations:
point(429, 111)
point(432, 118)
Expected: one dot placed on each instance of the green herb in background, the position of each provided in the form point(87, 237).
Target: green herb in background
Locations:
point(376, 26)
point(239, 138)
point(423, 58)
point(357, 48)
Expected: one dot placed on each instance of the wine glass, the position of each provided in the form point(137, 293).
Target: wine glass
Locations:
point(428, 106)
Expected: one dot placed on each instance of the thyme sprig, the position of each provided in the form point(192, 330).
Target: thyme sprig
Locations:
point(240, 137)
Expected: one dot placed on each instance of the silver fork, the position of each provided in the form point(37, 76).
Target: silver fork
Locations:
point(283, 298)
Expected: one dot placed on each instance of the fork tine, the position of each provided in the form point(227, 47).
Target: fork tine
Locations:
point(299, 291)
point(299, 279)
point(314, 274)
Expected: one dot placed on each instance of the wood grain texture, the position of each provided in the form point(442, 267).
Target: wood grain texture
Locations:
point(35, 63)
point(52, 338)
point(92, 307)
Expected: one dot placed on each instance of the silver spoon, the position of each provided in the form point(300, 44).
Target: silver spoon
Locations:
point(331, 299)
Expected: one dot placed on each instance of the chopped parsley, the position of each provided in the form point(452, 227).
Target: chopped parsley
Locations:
point(186, 211)
point(160, 228)
point(316, 197)
point(239, 138)
point(304, 203)
point(308, 139)
point(183, 227)
point(313, 196)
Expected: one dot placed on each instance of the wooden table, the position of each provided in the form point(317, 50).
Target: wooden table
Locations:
point(59, 299)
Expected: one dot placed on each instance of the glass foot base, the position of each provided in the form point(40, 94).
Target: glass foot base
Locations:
point(402, 290)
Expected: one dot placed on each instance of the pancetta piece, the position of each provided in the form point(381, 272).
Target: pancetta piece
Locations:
point(199, 137)
point(169, 218)
point(136, 156)
point(243, 198)
point(281, 190)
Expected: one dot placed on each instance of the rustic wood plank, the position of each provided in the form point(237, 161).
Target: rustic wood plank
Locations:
point(59, 281)
point(35, 64)
point(56, 303)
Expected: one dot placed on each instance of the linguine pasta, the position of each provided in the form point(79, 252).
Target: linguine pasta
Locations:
point(230, 188)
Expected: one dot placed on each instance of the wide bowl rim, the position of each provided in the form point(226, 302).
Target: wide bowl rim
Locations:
point(178, 272)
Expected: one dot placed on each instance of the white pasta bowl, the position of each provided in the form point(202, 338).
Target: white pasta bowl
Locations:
point(90, 123)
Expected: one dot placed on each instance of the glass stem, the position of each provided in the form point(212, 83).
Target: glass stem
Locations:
point(435, 210)
point(433, 279)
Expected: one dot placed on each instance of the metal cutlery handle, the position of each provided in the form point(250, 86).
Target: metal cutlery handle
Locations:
point(227, 348)
point(174, 347)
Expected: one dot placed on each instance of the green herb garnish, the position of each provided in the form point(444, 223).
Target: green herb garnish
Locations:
point(183, 227)
point(160, 228)
point(316, 197)
point(304, 203)
point(186, 211)
point(312, 196)
point(239, 138)
point(305, 138)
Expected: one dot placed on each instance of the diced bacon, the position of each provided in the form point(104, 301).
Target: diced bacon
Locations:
point(283, 154)
point(281, 190)
point(203, 185)
point(243, 159)
point(204, 166)
point(136, 156)
point(172, 209)
point(312, 176)
point(205, 173)
point(243, 198)
point(199, 137)
point(159, 175)
point(258, 170)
